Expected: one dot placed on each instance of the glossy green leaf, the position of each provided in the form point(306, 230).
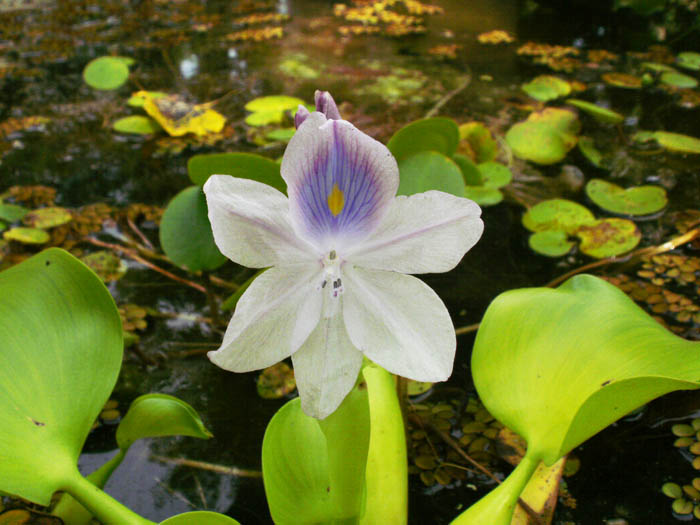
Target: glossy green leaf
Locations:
point(314, 471)
point(575, 359)
point(557, 214)
point(430, 170)
point(26, 235)
point(588, 149)
point(437, 134)
point(608, 237)
point(677, 142)
point(678, 80)
point(282, 134)
point(106, 72)
point(241, 165)
point(545, 137)
point(689, 60)
point(547, 87)
point(137, 125)
point(553, 243)
point(483, 196)
point(157, 415)
point(476, 140)
point(470, 171)
point(12, 212)
point(274, 103)
point(185, 232)
point(47, 217)
point(640, 200)
point(598, 112)
point(494, 174)
point(200, 517)
point(61, 340)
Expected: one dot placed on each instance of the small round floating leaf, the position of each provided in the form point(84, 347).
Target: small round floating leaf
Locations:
point(641, 200)
point(682, 430)
point(672, 490)
point(429, 170)
point(430, 134)
point(470, 171)
point(185, 232)
point(47, 217)
point(264, 118)
point(587, 147)
point(282, 134)
point(678, 80)
point(241, 165)
point(106, 72)
point(677, 142)
point(157, 415)
point(106, 265)
point(276, 381)
point(495, 174)
point(26, 235)
point(547, 87)
point(483, 196)
point(657, 67)
point(536, 141)
point(600, 113)
point(278, 103)
point(477, 141)
point(136, 124)
point(12, 212)
point(622, 80)
point(689, 60)
point(557, 215)
point(550, 243)
point(608, 237)
point(200, 517)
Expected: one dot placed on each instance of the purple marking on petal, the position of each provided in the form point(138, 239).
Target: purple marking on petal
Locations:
point(300, 116)
point(326, 105)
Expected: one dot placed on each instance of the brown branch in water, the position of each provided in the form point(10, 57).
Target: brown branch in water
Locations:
point(444, 100)
point(139, 233)
point(222, 283)
point(467, 329)
point(130, 253)
point(211, 467)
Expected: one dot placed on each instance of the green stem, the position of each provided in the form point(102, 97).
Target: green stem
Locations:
point(497, 506)
point(105, 508)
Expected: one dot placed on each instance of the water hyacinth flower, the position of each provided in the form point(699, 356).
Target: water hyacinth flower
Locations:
point(337, 251)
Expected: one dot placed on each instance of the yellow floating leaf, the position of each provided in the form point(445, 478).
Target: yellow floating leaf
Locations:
point(497, 36)
point(178, 117)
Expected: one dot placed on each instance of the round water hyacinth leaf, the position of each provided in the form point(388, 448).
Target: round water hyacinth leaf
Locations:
point(678, 80)
point(494, 174)
point(47, 217)
point(554, 243)
point(276, 381)
point(575, 359)
point(482, 195)
point(185, 232)
point(138, 99)
point(106, 265)
point(677, 142)
point(12, 212)
point(641, 200)
point(137, 124)
point(587, 147)
point(598, 112)
point(689, 60)
point(608, 237)
point(62, 349)
point(274, 103)
point(547, 87)
point(26, 235)
point(106, 72)
point(622, 80)
point(241, 165)
point(158, 415)
point(429, 170)
point(477, 142)
point(470, 171)
point(557, 215)
point(545, 137)
point(200, 517)
point(430, 134)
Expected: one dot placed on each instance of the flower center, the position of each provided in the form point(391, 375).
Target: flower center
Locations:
point(332, 283)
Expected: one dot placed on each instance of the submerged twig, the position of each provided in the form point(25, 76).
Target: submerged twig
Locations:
point(211, 467)
point(467, 329)
point(444, 100)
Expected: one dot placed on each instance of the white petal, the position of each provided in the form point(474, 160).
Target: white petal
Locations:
point(326, 367)
point(425, 232)
point(273, 318)
point(399, 322)
point(251, 223)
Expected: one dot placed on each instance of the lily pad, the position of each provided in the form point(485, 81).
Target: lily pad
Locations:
point(657, 67)
point(106, 73)
point(640, 200)
point(678, 80)
point(587, 147)
point(437, 134)
point(608, 237)
point(106, 265)
point(26, 235)
point(677, 142)
point(689, 60)
point(547, 87)
point(136, 124)
point(557, 215)
point(241, 165)
point(599, 113)
point(494, 174)
point(271, 109)
point(47, 217)
point(554, 243)
point(622, 80)
point(477, 142)
point(545, 137)
point(282, 134)
point(482, 195)
point(276, 381)
point(12, 212)
point(429, 170)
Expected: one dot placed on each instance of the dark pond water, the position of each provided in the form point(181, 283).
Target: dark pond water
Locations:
point(182, 47)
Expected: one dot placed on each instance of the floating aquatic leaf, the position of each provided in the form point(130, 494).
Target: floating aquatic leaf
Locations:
point(588, 148)
point(47, 217)
point(282, 134)
point(429, 170)
point(545, 137)
point(12, 212)
point(200, 517)
point(26, 235)
point(689, 60)
point(496, 36)
point(178, 117)
point(640, 200)
point(470, 171)
point(657, 67)
point(106, 265)
point(241, 165)
point(271, 109)
point(276, 381)
point(676, 142)
point(622, 80)
point(494, 174)
point(554, 243)
point(107, 72)
point(477, 142)
point(598, 112)
point(608, 237)
point(678, 80)
point(547, 87)
point(137, 124)
point(482, 195)
point(557, 214)
point(138, 99)
point(431, 134)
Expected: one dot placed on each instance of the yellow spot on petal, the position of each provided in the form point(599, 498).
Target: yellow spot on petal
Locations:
point(336, 201)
